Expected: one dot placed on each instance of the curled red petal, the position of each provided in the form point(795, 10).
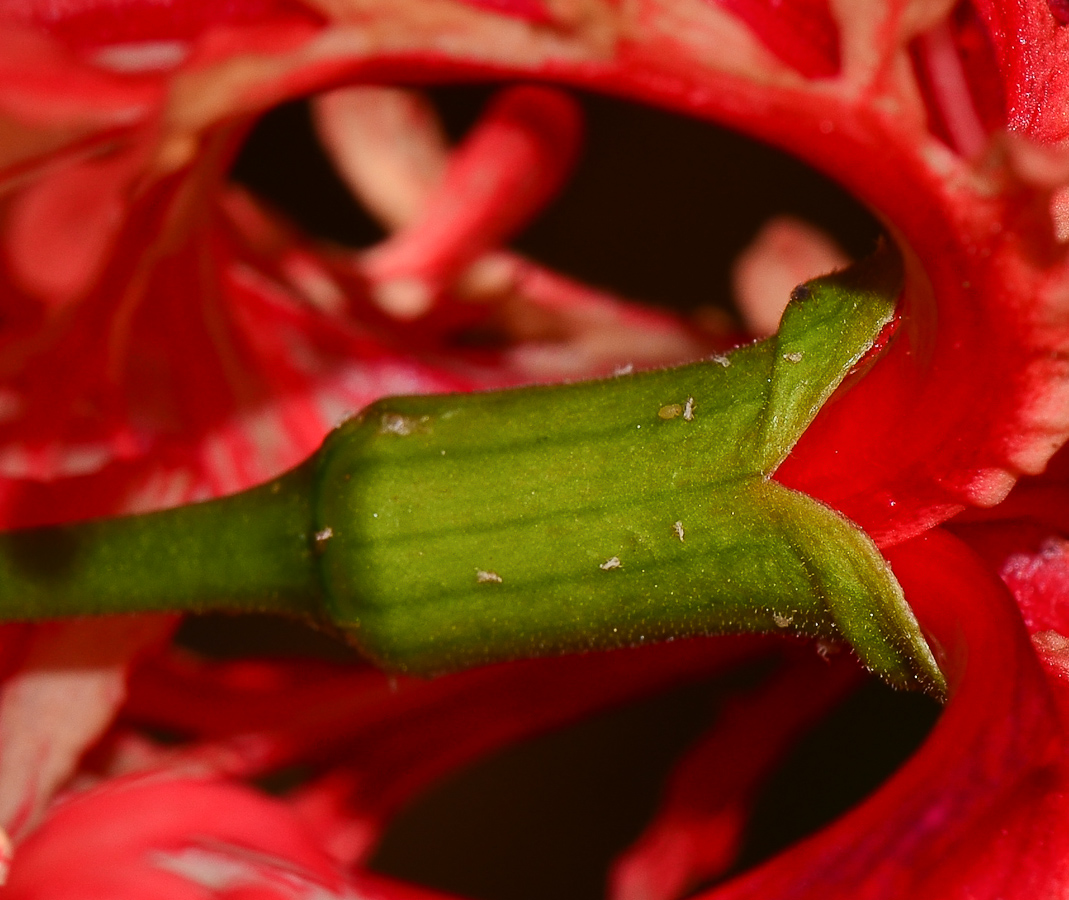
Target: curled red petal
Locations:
point(510, 165)
point(802, 33)
point(979, 812)
point(171, 838)
point(698, 831)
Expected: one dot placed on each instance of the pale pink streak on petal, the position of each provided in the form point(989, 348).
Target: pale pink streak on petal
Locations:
point(950, 89)
point(7, 851)
point(1026, 540)
point(388, 145)
point(59, 701)
point(43, 85)
point(564, 329)
point(346, 832)
point(785, 253)
point(508, 167)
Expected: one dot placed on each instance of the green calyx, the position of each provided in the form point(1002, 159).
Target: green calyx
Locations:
point(440, 532)
point(471, 528)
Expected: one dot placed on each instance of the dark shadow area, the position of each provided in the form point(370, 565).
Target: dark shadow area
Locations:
point(546, 818)
point(661, 205)
point(837, 765)
point(222, 636)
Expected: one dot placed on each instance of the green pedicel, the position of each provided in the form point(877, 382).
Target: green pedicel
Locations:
point(439, 532)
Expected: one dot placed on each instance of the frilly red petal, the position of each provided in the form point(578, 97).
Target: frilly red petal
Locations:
point(127, 121)
point(980, 811)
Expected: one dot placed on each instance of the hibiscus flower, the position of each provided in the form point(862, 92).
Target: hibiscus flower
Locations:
point(167, 339)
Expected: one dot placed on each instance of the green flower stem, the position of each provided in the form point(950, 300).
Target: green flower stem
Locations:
point(445, 532)
point(246, 553)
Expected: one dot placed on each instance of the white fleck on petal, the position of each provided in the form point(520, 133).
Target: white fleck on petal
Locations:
point(144, 56)
point(226, 869)
point(7, 850)
point(404, 298)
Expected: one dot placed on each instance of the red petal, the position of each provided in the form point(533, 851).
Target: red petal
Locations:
point(85, 24)
point(170, 838)
point(70, 682)
point(699, 829)
point(531, 10)
point(1030, 46)
point(390, 737)
point(802, 33)
point(514, 160)
point(980, 811)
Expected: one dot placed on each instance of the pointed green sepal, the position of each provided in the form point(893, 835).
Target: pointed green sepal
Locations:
point(471, 528)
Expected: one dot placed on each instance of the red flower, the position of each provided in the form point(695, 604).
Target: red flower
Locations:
point(166, 339)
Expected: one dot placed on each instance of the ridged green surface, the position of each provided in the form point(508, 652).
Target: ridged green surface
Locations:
point(472, 528)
